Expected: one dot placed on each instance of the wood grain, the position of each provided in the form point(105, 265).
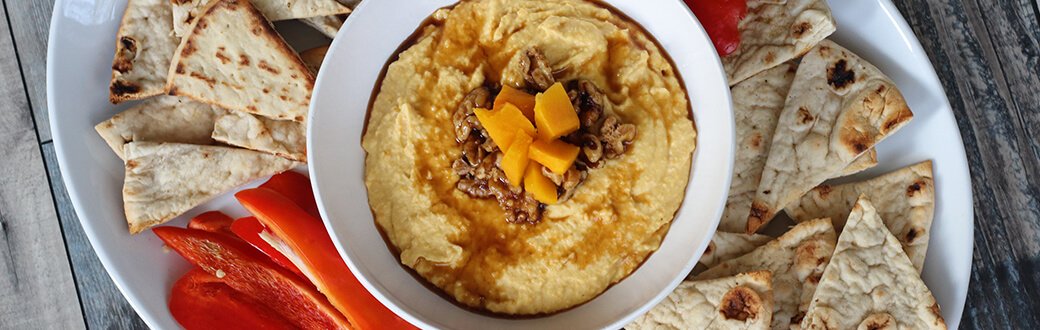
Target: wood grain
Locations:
point(985, 52)
point(103, 305)
point(36, 285)
point(30, 22)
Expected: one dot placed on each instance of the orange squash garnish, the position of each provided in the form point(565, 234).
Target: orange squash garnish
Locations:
point(554, 114)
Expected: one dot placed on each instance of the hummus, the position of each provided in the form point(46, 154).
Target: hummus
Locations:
point(464, 245)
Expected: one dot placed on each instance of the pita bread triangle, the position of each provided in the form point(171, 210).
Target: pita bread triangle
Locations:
point(757, 103)
point(161, 119)
point(725, 246)
point(774, 32)
point(796, 261)
point(905, 199)
point(185, 11)
point(870, 283)
point(144, 47)
point(839, 106)
point(233, 58)
point(743, 301)
point(164, 180)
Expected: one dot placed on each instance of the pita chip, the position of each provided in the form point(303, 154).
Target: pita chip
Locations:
point(725, 246)
point(796, 261)
point(743, 301)
point(757, 103)
point(283, 138)
point(839, 106)
point(144, 47)
point(233, 58)
point(313, 57)
point(870, 283)
point(164, 180)
point(905, 200)
point(161, 119)
point(862, 163)
point(185, 11)
point(327, 25)
point(775, 32)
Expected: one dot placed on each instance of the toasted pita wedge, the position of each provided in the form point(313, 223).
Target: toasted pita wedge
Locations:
point(185, 11)
point(161, 119)
point(164, 180)
point(743, 301)
point(314, 57)
point(233, 58)
point(282, 138)
point(796, 260)
point(859, 164)
point(839, 106)
point(757, 103)
point(905, 199)
point(327, 25)
point(775, 32)
point(725, 246)
point(870, 283)
point(144, 47)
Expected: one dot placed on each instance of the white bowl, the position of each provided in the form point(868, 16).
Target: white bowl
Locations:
point(337, 116)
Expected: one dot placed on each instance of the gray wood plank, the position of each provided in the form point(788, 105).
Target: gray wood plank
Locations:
point(36, 285)
point(103, 305)
point(986, 52)
point(30, 21)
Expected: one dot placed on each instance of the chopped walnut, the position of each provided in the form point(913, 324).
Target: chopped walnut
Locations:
point(590, 103)
point(463, 118)
point(557, 179)
point(615, 136)
point(571, 180)
point(471, 150)
point(591, 148)
point(474, 187)
point(535, 67)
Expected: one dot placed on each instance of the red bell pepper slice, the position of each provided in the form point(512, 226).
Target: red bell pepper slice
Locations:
point(200, 300)
point(296, 187)
point(720, 19)
point(249, 229)
point(212, 221)
point(319, 259)
point(248, 271)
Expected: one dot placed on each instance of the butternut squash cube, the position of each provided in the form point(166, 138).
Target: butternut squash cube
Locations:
point(518, 98)
point(554, 114)
point(514, 162)
point(556, 154)
point(543, 189)
point(502, 124)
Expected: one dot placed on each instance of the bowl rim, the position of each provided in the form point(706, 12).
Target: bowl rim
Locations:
point(712, 67)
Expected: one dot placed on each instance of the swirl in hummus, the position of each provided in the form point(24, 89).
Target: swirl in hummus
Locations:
point(581, 245)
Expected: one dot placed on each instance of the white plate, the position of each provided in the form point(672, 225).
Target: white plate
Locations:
point(338, 108)
point(80, 53)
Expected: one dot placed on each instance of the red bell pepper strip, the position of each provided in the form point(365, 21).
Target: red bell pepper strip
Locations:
point(248, 271)
point(720, 19)
point(249, 229)
point(296, 187)
point(319, 259)
point(200, 300)
point(212, 221)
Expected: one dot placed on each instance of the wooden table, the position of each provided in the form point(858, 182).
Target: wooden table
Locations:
point(986, 52)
